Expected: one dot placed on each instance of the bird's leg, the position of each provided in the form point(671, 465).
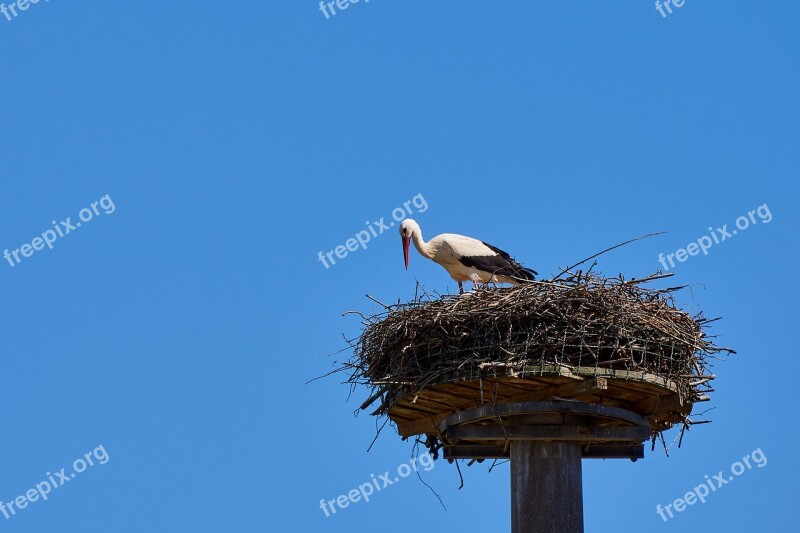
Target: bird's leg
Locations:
point(475, 283)
point(460, 288)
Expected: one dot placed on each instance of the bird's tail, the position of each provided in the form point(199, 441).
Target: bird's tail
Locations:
point(525, 274)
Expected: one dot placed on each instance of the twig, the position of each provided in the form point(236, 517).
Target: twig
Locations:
point(649, 278)
point(377, 434)
point(415, 453)
point(563, 271)
point(378, 302)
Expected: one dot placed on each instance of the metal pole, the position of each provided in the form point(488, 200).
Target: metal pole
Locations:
point(546, 487)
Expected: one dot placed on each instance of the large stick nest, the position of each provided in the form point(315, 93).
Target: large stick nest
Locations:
point(580, 321)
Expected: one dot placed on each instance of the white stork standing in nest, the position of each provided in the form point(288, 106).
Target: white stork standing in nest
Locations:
point(465, 258)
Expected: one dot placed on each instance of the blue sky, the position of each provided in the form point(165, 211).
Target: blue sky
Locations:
point(171, 338)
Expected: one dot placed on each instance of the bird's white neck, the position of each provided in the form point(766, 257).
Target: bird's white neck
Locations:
point(422, 247)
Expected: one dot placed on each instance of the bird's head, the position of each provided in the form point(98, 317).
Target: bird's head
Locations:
point(407, 228)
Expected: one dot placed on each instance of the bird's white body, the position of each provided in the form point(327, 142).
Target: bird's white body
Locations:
point(447, 249)
point(465, 258)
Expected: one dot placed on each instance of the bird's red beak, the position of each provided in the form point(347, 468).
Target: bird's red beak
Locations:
point(406, 242)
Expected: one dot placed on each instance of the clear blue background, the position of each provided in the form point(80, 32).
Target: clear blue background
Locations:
point(239, 139)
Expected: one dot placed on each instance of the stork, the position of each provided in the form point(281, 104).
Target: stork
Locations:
point(465, 258)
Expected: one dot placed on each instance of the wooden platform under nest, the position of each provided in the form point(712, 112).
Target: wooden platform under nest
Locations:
point(655, 398)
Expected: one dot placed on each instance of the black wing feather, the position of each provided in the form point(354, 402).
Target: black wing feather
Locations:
point(501, 264)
